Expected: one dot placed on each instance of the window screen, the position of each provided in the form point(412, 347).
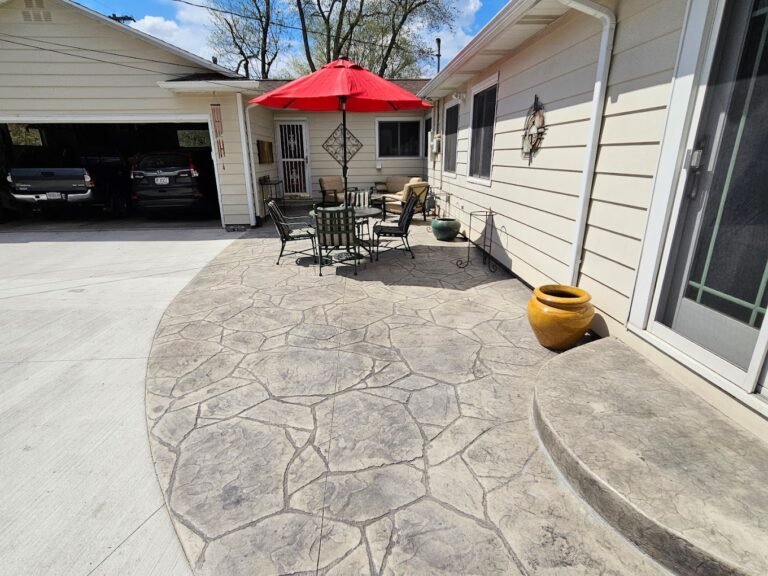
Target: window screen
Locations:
point(398, 138)
point(451, 132)
point(483, 119)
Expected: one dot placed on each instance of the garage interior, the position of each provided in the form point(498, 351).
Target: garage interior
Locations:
point(115, 147)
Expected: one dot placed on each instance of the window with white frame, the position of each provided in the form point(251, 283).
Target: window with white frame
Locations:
point(398, 138)
point(481, 140)
point(451, 138)
point(25, 135)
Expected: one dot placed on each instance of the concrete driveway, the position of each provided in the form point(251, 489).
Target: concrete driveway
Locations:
point(78, 309)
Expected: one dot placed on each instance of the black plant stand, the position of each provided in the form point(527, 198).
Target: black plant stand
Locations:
point(487, 240)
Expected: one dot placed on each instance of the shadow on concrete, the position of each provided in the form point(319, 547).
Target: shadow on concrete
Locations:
point(99, 228)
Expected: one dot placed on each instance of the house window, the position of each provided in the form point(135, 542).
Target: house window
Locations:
point(23, 135)
point(451, 133)
point(481, 144)
point(193, 138)
point(399, 138)
point(427, 130)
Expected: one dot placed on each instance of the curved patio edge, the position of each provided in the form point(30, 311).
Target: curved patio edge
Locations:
point(164, 455)
point(597, 412)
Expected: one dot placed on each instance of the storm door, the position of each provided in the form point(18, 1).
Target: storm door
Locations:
point(294, 157)
point(715, 293)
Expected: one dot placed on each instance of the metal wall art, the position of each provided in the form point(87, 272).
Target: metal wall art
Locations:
point(534, 129)
point(335, 145)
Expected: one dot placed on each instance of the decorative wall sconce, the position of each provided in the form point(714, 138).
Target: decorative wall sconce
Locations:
point(534, 129)
point(460, 96)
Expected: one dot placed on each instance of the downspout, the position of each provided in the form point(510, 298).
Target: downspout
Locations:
point(258, 201)
point(244, 145)
point(608, 20)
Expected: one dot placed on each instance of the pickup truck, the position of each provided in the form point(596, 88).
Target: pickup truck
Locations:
point(99, 181)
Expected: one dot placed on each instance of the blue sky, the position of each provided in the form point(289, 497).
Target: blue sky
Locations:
point(187, 26)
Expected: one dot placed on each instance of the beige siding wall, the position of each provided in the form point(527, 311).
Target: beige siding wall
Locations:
point(362, 168)
point(261, 126)
point(536, 205)
point(57, 80)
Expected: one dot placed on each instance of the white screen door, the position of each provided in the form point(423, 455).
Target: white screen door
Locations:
point(715, 290)
point(294, 157)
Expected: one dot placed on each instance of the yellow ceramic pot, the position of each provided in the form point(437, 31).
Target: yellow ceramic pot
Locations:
point(560, 315)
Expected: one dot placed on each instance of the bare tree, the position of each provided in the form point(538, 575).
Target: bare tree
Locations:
point(248, 32)
point(389, 37)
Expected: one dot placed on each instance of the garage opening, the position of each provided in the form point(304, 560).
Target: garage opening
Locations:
point(162, 171)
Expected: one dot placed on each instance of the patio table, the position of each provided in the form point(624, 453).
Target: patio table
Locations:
point(361, 213)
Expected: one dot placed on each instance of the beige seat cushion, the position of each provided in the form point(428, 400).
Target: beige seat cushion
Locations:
point(396, 184)
point(395, 202)
point(334, 183)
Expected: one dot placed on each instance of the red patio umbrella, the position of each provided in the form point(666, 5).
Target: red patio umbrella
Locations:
point(342, 85)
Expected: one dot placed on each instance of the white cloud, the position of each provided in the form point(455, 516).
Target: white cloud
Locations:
point(452, 41)
point(188, 30)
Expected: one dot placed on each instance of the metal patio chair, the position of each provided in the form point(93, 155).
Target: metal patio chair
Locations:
point(291, 229)
point(361, 199)
point(399, 230)
point(336, 230)
point(333, 191)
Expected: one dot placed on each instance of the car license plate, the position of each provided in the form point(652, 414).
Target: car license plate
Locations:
point(161, 180)
point(53, 195)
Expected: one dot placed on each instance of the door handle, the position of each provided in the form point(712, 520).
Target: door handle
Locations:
point(694, 165)
point(695, 162)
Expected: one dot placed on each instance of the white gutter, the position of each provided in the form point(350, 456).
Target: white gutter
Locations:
point(258, 200)
point(608, 20)
point(244, 144)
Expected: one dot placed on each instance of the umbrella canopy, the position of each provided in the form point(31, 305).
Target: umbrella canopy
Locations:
point(346, 86)
point(324, 90)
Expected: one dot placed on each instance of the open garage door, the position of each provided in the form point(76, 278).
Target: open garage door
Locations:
point(109, 170)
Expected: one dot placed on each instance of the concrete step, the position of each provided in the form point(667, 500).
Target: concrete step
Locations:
point(672, 474)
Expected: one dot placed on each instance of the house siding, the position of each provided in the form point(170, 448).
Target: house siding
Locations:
point(363, 171)
point(535, 205)
point(50, 83)
point(261, 127)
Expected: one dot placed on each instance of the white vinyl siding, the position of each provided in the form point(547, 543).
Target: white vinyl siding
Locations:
point(364, 168)
point(536, 204)
point(49, 78)
point(261, 127)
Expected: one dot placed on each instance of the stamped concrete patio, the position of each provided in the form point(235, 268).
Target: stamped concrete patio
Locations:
point(370, 424)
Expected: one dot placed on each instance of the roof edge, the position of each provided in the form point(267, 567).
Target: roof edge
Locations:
point(198, 60)
point(507, 16)
point(204, 86)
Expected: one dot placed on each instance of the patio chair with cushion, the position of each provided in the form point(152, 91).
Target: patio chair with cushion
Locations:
point(332, 188)
point(399, 230)
point(416, 187)
point(395, 184)
point(291, 230)
point(335, 228)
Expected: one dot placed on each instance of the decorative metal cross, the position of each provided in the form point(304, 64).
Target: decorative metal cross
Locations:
point(534, 130)
point(335, 147)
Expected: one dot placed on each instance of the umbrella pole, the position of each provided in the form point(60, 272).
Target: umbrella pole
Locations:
point(343, 100)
